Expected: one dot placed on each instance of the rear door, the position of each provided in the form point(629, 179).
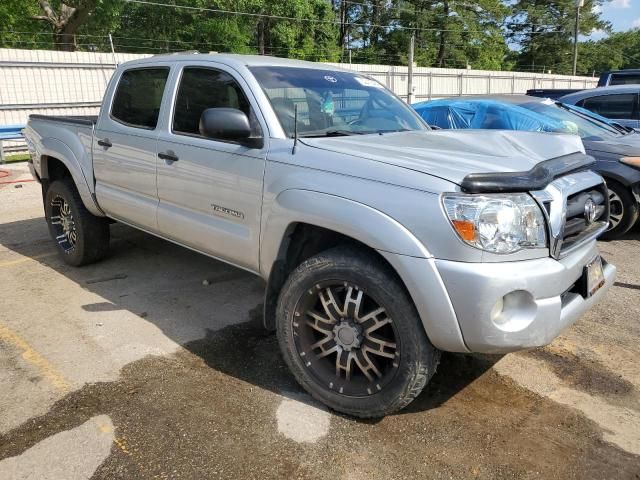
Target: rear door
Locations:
point(125, 142)
point(210, 191)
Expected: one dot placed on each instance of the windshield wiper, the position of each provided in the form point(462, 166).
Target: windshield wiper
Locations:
point(382, 132)
point(332, 133)
point(342, 133)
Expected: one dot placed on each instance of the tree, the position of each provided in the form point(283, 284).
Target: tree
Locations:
point(618, 51)
point(447, 33)
point(308, 32)
point(543, 29)
point(65, 18)
point(486, 34)
point(18, 30)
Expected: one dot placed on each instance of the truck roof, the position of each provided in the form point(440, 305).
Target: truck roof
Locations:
point(600, 91)
point(232, 59)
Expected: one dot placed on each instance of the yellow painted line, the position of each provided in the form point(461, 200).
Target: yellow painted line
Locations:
point(47, 370)
point(122, 445)
point(27, 259)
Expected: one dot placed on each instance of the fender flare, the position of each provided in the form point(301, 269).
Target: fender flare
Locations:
point(348, 217)
point(54, 148)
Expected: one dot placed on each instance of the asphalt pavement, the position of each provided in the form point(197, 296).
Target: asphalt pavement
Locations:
point(153, 364)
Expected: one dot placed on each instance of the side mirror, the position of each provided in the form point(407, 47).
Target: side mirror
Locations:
point(228, 124)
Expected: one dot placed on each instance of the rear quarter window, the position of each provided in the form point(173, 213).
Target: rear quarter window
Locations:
point(138, 97)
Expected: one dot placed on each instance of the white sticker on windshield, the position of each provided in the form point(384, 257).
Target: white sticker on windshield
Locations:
point(548, 101)
point(367, 82)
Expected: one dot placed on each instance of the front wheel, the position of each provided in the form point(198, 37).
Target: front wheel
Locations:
point(80, 236)
point(351, 335)
point(623, 210)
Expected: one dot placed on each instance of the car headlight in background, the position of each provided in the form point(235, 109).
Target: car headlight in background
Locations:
point(499, 223)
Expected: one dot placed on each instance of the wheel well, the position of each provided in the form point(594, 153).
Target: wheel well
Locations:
point(52, 170)
point(303, 241)
point(618, 180)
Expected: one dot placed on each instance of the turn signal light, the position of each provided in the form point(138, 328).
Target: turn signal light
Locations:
point(466, 230)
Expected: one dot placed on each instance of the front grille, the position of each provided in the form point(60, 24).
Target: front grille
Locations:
point(564, 201)
point(577, 226)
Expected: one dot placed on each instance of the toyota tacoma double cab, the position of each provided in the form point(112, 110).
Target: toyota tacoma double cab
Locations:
point(382, 242)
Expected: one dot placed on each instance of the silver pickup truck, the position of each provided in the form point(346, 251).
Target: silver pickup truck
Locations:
point(382, 242)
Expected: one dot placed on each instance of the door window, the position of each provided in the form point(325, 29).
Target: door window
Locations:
point(612, 106)
point(138, 97)
point(203, 88)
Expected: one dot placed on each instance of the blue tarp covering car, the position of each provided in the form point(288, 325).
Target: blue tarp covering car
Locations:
point(616, 150)
point(482, 114)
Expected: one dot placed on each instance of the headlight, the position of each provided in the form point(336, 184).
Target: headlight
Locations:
point(499, 223)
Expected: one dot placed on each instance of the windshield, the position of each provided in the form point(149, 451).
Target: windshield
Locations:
point(333, 103)
point(568, 121)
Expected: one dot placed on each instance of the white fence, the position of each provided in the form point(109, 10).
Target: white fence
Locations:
point(64, 83)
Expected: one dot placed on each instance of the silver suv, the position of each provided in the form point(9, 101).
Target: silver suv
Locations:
point(382, 241)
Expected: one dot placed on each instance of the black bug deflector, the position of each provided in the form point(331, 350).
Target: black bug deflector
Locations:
point(535, 179)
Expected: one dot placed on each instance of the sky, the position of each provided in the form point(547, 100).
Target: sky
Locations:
point(623, 15)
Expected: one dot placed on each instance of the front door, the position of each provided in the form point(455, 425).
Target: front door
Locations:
point(124, 150)
point(210, 191)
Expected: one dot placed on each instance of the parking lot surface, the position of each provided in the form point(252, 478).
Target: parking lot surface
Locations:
point(152, 364)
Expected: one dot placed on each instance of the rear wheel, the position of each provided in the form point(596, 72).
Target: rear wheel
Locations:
point(80, 236)
point(352, 336)
point(623, 210)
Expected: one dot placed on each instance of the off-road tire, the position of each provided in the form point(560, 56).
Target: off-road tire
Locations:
point(629, 213)
point(417, 360)
point(92, 233)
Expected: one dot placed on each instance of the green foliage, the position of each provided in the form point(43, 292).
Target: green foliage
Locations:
point(545, 30)
point(18, 29)
point(618, 51)
point(529, 35)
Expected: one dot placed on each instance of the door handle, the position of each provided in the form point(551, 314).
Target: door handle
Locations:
point(105, 143)
point(170, 156)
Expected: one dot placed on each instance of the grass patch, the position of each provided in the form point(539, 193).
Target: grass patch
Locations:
point(21, 157)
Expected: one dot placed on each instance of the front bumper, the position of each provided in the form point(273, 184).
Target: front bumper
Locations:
point(541, 301)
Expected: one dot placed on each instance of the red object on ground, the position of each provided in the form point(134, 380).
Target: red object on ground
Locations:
point(5, 173)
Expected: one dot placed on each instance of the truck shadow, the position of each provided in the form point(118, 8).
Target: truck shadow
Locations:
point(210, 308)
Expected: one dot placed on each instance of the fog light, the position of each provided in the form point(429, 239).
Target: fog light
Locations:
point(514, 312)
point(496, 311)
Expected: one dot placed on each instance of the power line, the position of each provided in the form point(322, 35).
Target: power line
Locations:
point(308, 20)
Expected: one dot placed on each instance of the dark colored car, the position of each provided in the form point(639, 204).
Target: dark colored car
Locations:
point(616, 150)
point(620, 104)
point(552, 93)
point(619, 77)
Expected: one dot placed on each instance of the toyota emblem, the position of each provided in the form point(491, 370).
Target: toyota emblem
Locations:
point(590, 211)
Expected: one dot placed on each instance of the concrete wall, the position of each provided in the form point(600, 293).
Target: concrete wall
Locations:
point(64, 83)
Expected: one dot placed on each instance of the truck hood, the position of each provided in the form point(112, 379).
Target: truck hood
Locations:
point(452, 155)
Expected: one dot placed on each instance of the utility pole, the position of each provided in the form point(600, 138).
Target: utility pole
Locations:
point(410, 70)
point(113, 50)
point(578, 3)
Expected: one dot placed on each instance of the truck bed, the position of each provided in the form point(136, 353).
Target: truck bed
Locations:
point(86, 120)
